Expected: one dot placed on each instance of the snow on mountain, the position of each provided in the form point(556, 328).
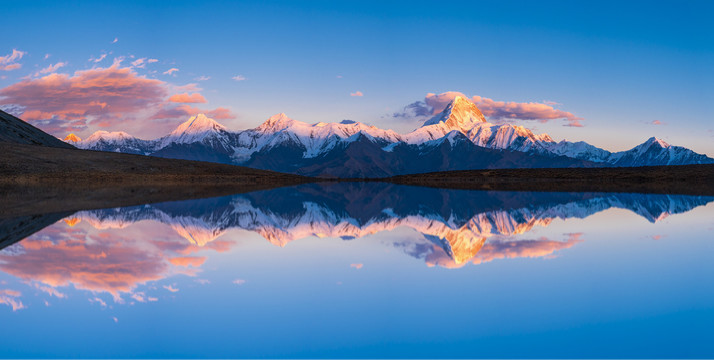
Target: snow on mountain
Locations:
point(578, 150)
point(462, 115)
point(195, 129)
point(116, 141)
point(312, 139)
point(72, 138)
point(657, 152)
point(355, 149)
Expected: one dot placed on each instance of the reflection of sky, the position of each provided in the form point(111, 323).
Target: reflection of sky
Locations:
point(599, 286)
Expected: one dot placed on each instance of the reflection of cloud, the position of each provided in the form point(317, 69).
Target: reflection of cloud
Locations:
point(188, 261)
point(523, 249)
point(10, 298)
point(503, 249)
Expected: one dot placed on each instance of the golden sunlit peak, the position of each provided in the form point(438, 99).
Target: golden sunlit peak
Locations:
point(72, 221)
point(73, 138)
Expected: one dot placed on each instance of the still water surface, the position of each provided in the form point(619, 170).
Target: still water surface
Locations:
point(367, 270)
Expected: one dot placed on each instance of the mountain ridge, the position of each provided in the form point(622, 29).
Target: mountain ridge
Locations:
point(298, 147)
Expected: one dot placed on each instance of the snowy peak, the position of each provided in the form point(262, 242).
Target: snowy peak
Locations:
point(72, 138)
point(198, 124)
point(195, 129)
point(106, 136)
point(461, 114)
point(276, 123)
point(655, 141)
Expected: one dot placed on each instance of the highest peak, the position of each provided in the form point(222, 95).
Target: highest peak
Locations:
point(459, 114)
point(198, 124)
point(653, 140)
point(73, 138)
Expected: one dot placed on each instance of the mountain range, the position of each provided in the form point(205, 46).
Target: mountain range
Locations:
point(458, 138)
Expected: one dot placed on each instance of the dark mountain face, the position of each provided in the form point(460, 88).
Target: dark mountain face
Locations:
point(15, 130)
point(367, 158)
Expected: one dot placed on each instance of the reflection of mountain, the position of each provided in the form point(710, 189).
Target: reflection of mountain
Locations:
point(101, 251)
point(459, 222)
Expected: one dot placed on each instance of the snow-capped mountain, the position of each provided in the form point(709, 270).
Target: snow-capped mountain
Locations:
point(117, 141)
point(458, 138)
point(463, 116)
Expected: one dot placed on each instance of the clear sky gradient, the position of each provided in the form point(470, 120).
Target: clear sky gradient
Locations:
point(630, 70)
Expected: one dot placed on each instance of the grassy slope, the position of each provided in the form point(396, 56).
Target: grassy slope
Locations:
point(37, 179)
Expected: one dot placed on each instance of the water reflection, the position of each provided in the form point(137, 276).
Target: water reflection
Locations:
point(101, 251)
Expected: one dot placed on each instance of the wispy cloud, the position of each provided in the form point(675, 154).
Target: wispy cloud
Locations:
point(202, 78)
point(239, 281)
point(357, 266)
point(171, 288)
point(9, 62)
point(116, 39)
point(239, 78)
point(11, 298)
point(100, 58)
point(170, 71)
point(50, 69)
point(657, 122)
point(356, 93)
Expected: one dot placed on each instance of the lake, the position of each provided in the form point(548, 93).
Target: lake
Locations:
point(365, 270)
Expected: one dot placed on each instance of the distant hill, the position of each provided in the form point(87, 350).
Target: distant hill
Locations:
point(15, 130)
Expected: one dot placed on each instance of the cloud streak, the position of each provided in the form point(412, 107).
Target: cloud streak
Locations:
point(9, 62)
point(494, 110)
point(186, 98)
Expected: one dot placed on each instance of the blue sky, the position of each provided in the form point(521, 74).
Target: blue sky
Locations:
point(620, 66)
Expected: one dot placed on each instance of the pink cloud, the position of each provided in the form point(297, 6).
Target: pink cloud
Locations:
point(10, 298)
point(356, 93)
point(357, 266)
point(170, 71)
point(186, 98)
point(171, 288)
point(494, 110)
point(183, 111)
point(657, 122)
point(186, 261)
point(8, 62)
point(51, 68)
point(58, 103)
